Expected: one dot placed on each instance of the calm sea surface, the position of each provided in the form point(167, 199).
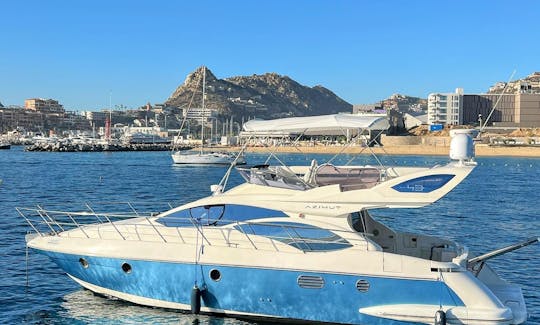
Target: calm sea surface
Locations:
point(497, 205)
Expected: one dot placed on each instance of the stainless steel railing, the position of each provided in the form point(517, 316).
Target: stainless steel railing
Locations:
point(129, 222)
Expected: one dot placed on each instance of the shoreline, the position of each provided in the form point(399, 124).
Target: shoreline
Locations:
point(420, 150)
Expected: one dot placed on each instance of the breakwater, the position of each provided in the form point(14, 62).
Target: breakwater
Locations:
point(98, 147)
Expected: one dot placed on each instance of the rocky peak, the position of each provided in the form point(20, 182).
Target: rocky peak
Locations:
point(268, 95)
point(194, 79)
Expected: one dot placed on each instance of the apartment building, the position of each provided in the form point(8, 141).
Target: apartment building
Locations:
point(44, 105)
point(12, 118)
point(446, 108)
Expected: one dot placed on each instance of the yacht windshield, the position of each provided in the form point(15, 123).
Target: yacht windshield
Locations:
point(217, 215)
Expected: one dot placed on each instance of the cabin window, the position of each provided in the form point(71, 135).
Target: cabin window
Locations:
point(357, 221)
point(301, 236)
point(217, 215)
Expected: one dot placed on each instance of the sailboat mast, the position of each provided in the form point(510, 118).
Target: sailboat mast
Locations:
point(203, 110)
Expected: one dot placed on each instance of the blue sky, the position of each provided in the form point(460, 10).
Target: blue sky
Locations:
point(82, 52)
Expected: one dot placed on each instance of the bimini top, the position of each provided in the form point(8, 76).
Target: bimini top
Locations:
point(321, 124)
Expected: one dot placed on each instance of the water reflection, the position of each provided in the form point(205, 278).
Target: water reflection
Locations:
point(85, 307)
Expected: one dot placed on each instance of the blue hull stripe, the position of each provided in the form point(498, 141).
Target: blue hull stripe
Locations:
point(258, 291)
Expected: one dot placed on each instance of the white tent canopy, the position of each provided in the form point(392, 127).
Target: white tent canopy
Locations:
point(316, 125)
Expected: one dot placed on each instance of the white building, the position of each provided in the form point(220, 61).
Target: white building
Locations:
point(446, 108)
point(198, 113)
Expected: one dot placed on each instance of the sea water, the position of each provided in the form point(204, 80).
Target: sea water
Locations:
point(497, 205)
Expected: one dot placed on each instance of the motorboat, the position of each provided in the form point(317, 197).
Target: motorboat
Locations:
point(202, 157)
point(291, 243)
point(207, 158)
point(144, 138)
point(5, 145)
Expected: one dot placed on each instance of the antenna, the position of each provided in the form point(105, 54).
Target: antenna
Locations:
point(482, 127)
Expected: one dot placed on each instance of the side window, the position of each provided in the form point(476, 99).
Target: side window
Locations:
point(301, 236)
point(357, 222)
point(215, 215)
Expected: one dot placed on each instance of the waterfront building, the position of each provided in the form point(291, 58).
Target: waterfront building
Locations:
point(96, 118)
point(512, 110)
point(446, 108)
point(520, 108)
point(15, 117)
point(44, 105)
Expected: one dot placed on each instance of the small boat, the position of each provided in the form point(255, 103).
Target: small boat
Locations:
point(144, 138)
point(203, 157)
point(292, 243)
point(5, 145)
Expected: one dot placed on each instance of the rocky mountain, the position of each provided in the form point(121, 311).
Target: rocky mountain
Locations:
point(265, 96)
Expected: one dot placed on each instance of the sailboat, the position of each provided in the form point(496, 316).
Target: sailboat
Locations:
point(203, 157)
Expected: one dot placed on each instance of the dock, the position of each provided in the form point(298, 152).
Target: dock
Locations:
point(98, 147)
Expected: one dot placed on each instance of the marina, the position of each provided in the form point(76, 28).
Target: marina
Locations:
point(160, 232)
point(356, 163)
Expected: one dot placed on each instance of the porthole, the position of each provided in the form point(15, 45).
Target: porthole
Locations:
point(126, 268)
point(84, 263)
point(215, 275)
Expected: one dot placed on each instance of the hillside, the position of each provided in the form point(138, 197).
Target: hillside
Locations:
point(529, 84)
point(405, 104)
point(265, 96)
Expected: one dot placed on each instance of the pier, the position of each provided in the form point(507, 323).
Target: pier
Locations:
point(98, 147)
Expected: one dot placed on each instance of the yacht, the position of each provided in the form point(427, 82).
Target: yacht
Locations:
point(292, 243)
point(207, 158)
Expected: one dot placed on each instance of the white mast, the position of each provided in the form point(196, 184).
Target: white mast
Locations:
point(202, 113)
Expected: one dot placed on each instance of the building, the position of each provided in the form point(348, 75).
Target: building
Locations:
point(12, 118)
point(366, 108)
point(44, 105)
point(511, 110)
point(197, 113)
point(519, 108)
point(476, 108)
point(446, 108)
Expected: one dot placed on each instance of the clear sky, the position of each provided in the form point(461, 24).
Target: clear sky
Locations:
point(83, 53)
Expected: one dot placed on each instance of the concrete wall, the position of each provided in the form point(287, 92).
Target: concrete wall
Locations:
point(415, 140)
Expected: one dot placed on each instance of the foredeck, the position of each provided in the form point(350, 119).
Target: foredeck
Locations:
point(276, 234)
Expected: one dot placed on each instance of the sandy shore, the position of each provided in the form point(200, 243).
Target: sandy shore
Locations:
point(481, 150)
